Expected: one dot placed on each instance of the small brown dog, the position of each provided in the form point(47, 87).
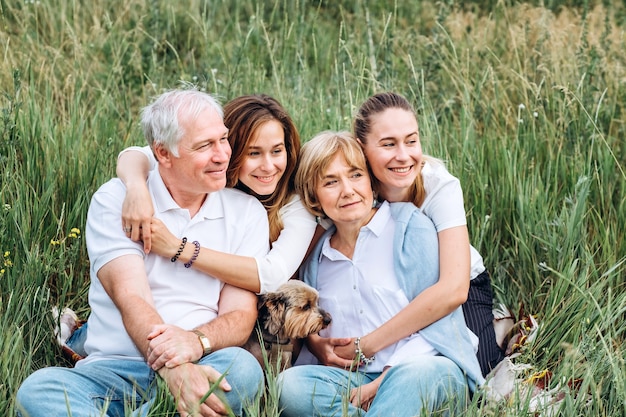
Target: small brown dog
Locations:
point(286, 315)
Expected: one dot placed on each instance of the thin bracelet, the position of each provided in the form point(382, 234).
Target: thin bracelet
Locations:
point(360, 356)
point(196, 251)
point(180, 250)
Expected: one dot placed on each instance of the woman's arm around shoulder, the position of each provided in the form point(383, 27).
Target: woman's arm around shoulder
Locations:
point(290, 249)
point(133, 165)
point(258, 274)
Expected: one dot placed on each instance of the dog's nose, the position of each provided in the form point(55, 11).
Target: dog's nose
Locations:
point(327, 319)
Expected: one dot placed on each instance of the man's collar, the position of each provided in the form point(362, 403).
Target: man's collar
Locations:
point(163, 201)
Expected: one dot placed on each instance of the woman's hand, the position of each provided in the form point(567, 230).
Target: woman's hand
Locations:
point(349, 351)
point(324, 350)
point(346, 351)
point(164, 243)
point(363, 396)
point(137, 211)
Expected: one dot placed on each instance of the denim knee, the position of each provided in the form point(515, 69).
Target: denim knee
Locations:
point(243, 373)
point(431, 382)
point(37, 389)
point(294, 383)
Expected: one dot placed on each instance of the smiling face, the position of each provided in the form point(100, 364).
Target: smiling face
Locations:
point(266, 159)
point(204, 153)
point(394, 152)
point(345, 193)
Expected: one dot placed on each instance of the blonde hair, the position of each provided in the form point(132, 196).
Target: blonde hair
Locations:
point(315, 157)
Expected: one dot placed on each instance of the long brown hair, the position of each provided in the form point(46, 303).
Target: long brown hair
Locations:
point(374, 105)
point(243, 116)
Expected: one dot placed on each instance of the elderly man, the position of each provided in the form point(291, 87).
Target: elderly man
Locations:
point(145, 307)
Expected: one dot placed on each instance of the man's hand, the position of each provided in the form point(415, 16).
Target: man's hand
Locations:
point(189, 383)
point(324, 350)
point(171, 346)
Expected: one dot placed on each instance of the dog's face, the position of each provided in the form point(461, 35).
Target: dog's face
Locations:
point(292, 311)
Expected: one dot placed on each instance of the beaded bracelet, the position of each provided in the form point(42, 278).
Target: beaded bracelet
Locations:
point(180, 250)
point(196, 251)
point(360, 356)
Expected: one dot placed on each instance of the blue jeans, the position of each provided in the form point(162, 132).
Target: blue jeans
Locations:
point(421, 385)
point(120, 385)
point(76, 342)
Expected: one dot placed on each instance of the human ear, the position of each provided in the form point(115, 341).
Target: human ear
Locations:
point(162, 155)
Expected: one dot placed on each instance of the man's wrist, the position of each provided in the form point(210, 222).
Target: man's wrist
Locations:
point(204, 342)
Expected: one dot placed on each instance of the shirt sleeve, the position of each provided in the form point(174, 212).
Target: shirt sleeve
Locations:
point(144, 150)
point(104, 235)
point(250, 223)
point(444, 197)
point(288, 251)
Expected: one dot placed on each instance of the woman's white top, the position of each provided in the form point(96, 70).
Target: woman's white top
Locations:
point(444, 205)
point(288, 251)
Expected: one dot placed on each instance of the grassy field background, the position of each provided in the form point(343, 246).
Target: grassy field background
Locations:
point(524, 101)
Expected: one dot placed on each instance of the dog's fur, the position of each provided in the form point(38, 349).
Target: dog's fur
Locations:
point(285, 316)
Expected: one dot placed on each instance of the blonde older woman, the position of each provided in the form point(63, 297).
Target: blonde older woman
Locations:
point(369, 268)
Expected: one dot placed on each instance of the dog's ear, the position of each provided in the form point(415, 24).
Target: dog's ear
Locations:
point(272, 313)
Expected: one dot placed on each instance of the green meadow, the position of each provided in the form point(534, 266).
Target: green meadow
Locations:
point(525, 102)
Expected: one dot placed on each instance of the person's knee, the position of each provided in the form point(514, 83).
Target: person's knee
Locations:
point(428, 372)
point(285, 381)
point(33, 386)
point(244, 367)
point(24, 392)
point(435, 381)
point(292, 384)
point(242, 372)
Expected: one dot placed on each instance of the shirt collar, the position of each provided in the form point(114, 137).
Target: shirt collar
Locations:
point(163, 201)
point(380, 219)
point(375, 226)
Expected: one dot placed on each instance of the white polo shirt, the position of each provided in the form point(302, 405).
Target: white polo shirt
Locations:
point(228, 221)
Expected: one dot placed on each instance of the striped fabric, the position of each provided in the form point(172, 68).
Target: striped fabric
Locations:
point(478, 311)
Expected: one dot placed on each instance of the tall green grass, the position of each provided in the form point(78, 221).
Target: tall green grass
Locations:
point(524, 103)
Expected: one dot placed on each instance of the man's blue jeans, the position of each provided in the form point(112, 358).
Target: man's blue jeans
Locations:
point(424, 384)
point(121, 386)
